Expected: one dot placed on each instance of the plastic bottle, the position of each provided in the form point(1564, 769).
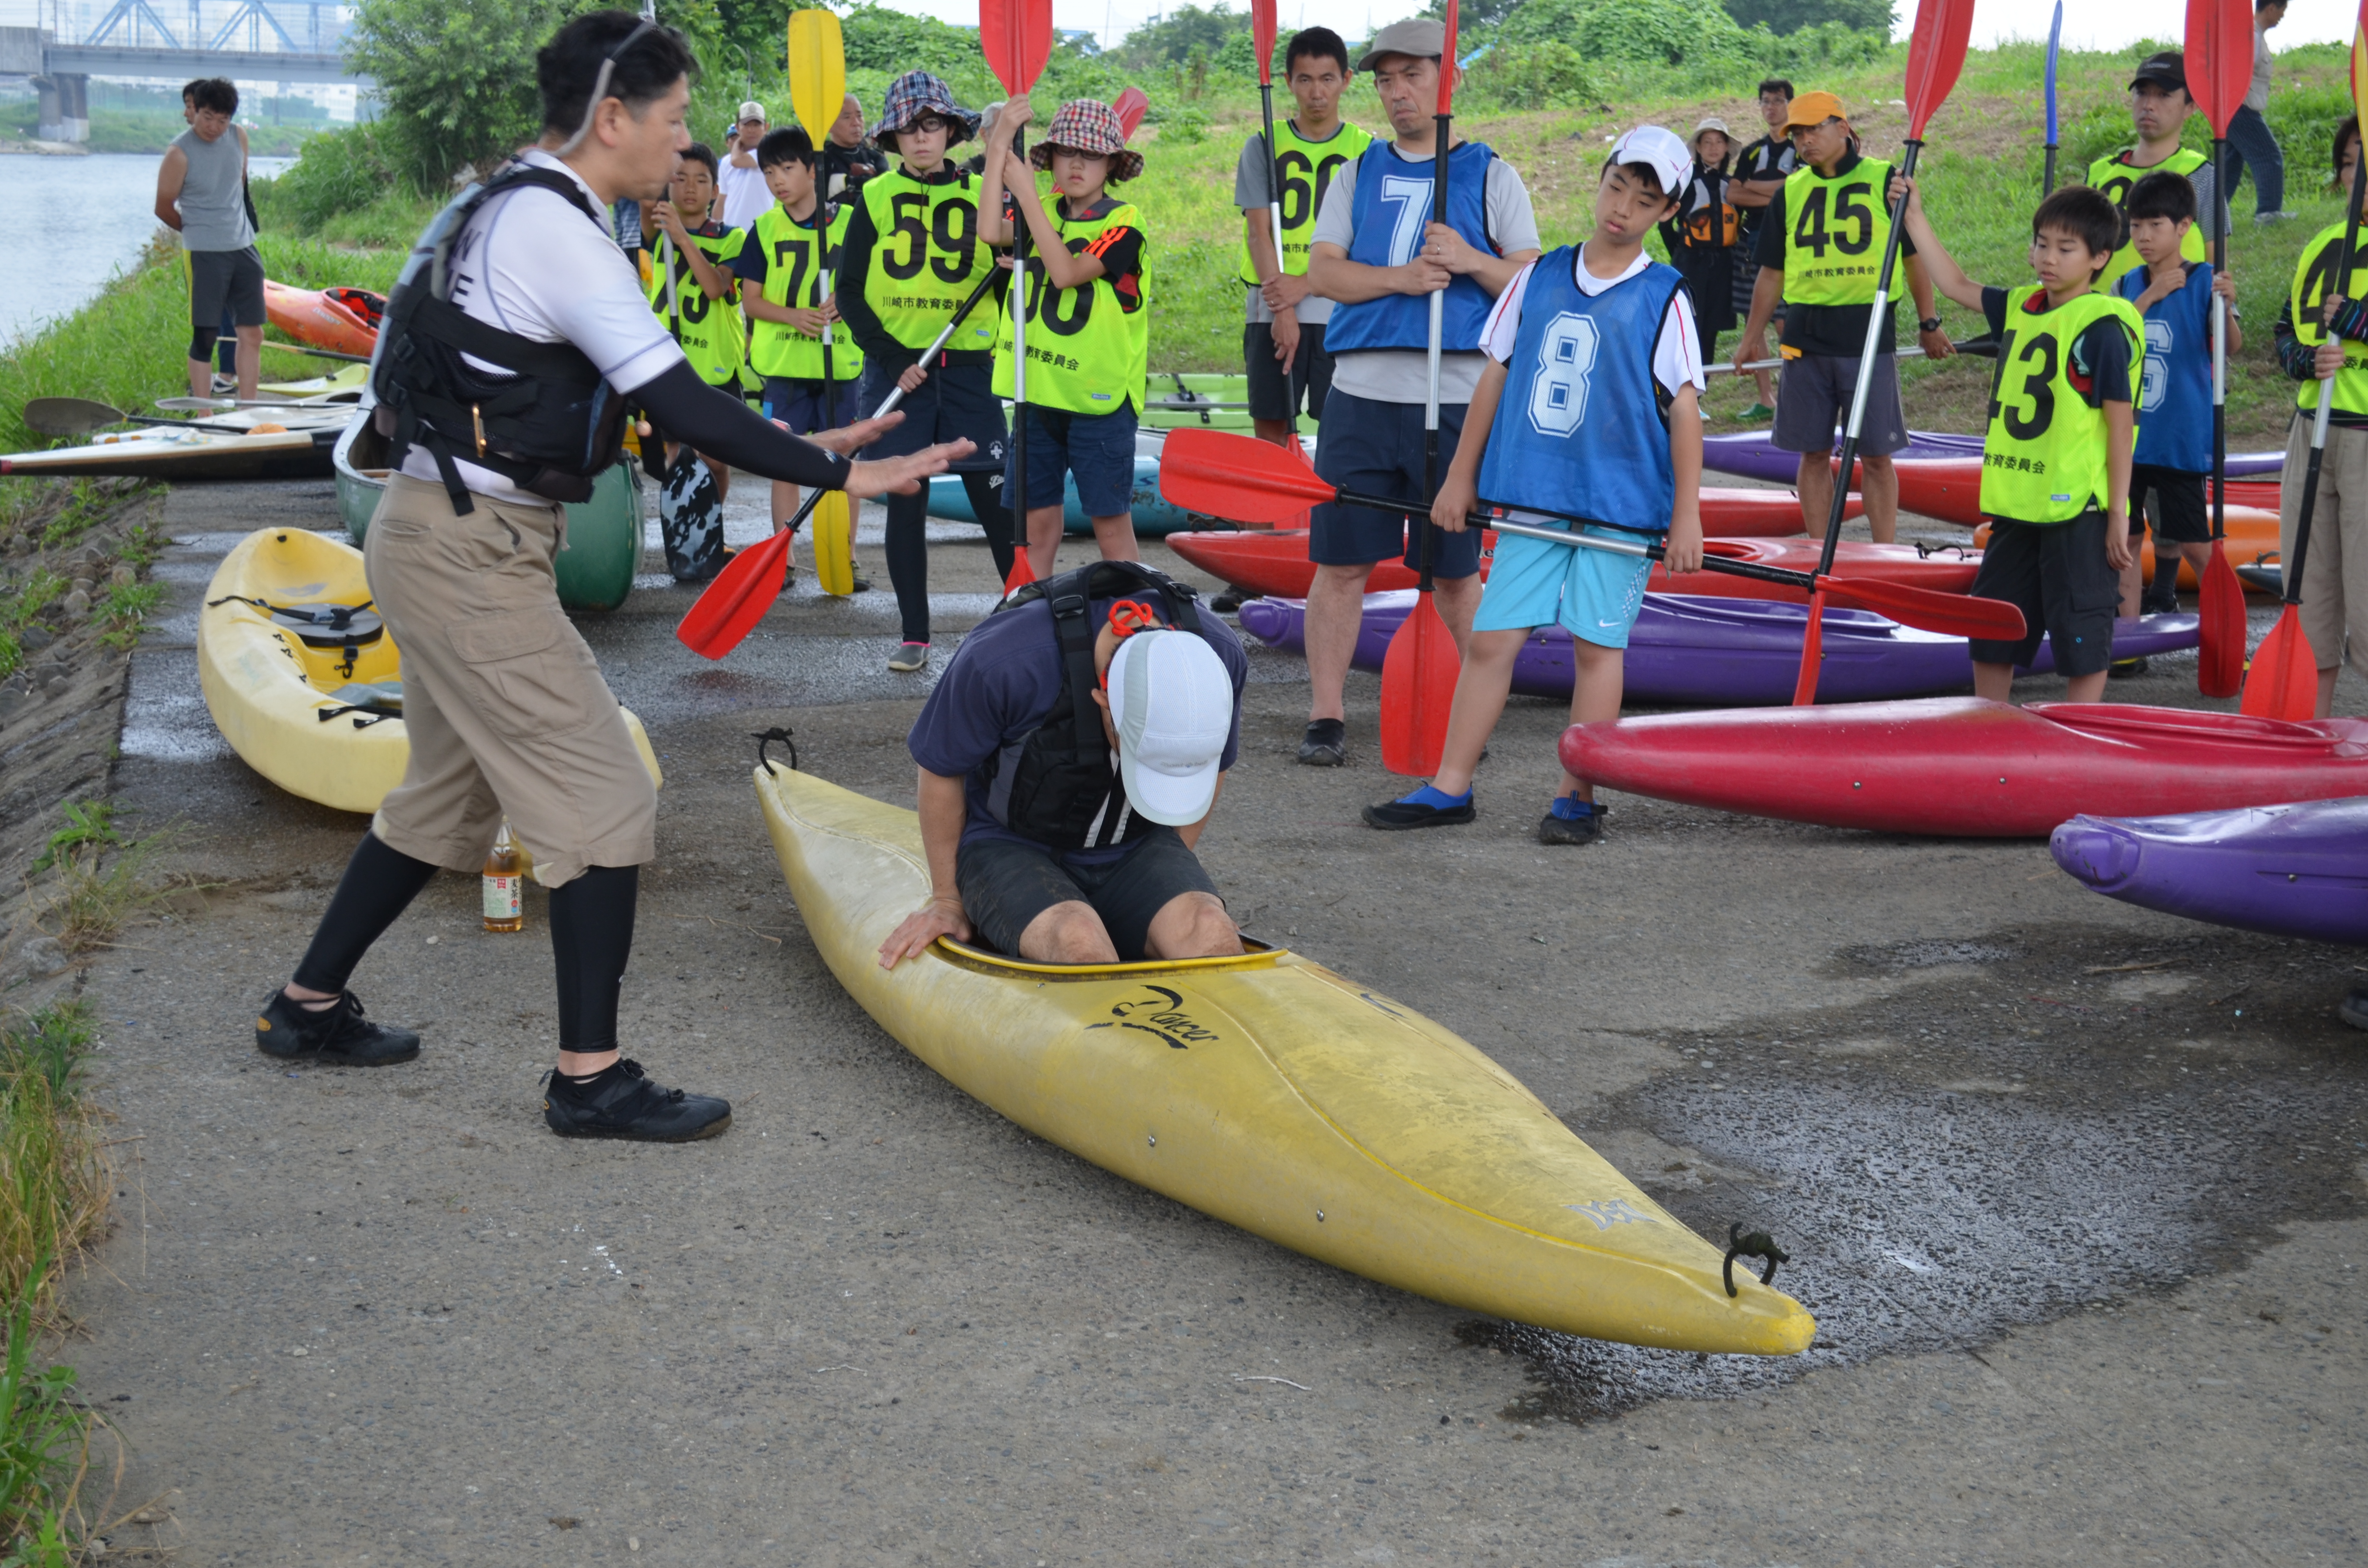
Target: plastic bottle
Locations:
point(505, 882)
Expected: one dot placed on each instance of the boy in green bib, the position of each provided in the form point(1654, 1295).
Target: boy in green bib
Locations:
point(688, 262)
point(2055, 463)
point(787, 266)
point(1089, 328)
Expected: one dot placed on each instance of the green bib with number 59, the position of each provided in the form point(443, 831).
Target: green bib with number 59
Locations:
point(927, 258)
point(1835, 231)
point(791, 278)
point(1307, 171)
point(2045, 458)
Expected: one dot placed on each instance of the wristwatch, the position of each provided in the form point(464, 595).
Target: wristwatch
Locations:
point(1930, 324)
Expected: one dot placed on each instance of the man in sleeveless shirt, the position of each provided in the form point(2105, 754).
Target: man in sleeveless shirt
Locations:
point(201, 196)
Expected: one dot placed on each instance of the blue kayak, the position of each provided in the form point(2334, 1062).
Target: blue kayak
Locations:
point(1154, 517)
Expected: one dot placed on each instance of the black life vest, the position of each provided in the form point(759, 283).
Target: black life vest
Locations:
point(547, 421)
point(1058, 783)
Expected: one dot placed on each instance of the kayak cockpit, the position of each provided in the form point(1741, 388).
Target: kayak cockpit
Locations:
point(988, 960)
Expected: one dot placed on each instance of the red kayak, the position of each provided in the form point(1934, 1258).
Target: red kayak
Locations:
point(1950, 490)
point(1273, 561)
point(1966, 768)
point(345, 320)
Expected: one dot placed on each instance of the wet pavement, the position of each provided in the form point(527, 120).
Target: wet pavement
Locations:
point(2071, 1186)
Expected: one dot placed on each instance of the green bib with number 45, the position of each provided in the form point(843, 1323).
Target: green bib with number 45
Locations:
point(1835, 231)
point(927, 258)
point(2044, 460)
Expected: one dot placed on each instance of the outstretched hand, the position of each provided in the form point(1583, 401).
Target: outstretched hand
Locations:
point(939, 918)
point(849, 440)
point(904, 475)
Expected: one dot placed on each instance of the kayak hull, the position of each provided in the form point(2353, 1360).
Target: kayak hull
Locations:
point(2253, 532)
point(2299, 870)
point(183, 457)
point(266, 687)
point(1686, 648)
point(1271, 1094)
point(1274, 562)
point(604, 534)
point(1967, 768)
point(314, 316)
point(1751, 454)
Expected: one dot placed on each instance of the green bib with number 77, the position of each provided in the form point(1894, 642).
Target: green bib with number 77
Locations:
point(2045, 458)
point(1835, 233)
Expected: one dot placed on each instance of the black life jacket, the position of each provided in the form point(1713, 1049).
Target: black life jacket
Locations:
point(547, 422)
point(1058, 783)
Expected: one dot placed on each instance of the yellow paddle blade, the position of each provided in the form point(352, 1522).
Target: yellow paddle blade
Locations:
point(834, 541)
point(817, 71)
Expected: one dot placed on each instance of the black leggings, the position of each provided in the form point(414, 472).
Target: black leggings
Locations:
point(908, 546)
point(591, 934)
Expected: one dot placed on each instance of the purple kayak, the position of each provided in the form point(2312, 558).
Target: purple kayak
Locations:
point(1689, 649)
point(2298, 871)
point(1748, 453)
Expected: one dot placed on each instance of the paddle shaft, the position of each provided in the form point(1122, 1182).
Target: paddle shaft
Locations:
point(896, 393)
point(1274, 227)
point(1438, 306)
point(1877, 319)
point(1016, 502)
point(2219, 348)
point(2054, 39)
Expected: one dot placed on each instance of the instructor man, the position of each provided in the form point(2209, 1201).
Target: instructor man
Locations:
point(1370, 256)
point(492, 427)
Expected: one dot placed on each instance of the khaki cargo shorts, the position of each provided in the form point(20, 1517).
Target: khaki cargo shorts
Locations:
point(507, 713)
point(2335, 568)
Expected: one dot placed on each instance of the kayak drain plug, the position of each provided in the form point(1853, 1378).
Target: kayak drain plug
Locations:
point(1759, 1244)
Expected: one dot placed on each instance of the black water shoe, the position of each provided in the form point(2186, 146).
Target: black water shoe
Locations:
point(1587, 828)
point(338, 1035)
point(1410, 811)
point(1325, 744)
point(623, 1103)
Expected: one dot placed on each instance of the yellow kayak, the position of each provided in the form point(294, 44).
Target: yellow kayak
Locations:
point(1269, 1092)
point(312, 705)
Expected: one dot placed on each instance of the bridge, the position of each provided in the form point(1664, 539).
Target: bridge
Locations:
point(250, 40)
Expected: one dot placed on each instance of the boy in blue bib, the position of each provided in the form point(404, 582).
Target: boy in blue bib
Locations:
point(1589, 407)
point(2174, 440)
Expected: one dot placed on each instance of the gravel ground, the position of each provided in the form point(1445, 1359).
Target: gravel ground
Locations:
point(2074, 1189)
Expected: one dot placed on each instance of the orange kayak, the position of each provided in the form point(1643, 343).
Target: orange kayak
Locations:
point(1950, 490)
point(2252, 531)
point(345, 320)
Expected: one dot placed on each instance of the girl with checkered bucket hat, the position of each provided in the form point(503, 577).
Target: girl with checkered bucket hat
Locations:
point(914, 251)
point(1089, 328)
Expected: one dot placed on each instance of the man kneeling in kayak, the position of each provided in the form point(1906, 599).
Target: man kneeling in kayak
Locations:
point(1038, 839)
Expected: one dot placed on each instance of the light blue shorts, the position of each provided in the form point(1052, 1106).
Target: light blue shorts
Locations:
point(1595, 594)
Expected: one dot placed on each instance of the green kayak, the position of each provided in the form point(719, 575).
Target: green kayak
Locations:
point(604, 534)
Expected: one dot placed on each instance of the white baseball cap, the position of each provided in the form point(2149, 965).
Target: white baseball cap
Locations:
point(1172, 705)
point(1659, 149)
point(752, 110)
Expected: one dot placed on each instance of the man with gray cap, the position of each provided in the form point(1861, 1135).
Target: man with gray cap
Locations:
point(1379, 258)
point(1070, 756)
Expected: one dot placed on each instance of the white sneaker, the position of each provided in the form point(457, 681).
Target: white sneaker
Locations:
point(2273, 217)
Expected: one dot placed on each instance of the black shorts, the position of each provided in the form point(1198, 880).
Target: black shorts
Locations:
point(1004, 885)
point(1310, 365)
point(2177, 496)
point(2058, 576)
point(226, 282)
point(955, 401)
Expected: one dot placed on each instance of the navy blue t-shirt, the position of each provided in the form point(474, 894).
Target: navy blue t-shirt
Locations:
point(1001, 683)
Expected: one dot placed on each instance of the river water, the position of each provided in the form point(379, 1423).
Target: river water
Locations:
point(78, 220)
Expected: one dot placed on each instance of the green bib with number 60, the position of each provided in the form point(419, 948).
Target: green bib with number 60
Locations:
point(927, 258)
point(2045, 458)
point(791, 278)
point(1307, 171)
point(1835, 231)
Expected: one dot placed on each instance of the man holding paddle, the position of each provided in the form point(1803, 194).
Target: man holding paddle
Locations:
point(1375, 256)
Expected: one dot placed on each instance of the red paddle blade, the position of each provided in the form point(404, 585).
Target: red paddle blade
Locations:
point(2283, 683)
point(738, 599)
point(1936, 53)
point(1812, 650)
point(1418, 676)
point(1022, 573)
point(2219, 49)
point(1222, 474)
point(1262, 31)
point(1018, 38)
point(2220, 668)
point(1130, 106)
point(1929, 609)
point(1447, 69)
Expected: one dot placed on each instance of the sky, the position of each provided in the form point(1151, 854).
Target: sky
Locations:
point(2088, 24)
